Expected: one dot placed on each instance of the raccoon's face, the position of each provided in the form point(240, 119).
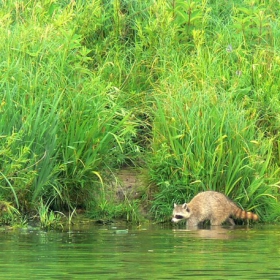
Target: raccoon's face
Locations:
point(180, 212)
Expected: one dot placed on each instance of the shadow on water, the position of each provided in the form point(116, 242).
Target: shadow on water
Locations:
point(151, 252)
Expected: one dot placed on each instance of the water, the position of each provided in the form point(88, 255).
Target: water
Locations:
point(153, 252)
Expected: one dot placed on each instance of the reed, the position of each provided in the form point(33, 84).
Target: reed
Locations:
point(60, 122)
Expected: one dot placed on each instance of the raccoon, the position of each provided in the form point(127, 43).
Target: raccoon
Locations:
point(210, 205)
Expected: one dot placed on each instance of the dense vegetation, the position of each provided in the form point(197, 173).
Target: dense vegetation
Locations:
point(186, 91)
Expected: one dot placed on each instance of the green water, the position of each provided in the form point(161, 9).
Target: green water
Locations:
point(152, 252)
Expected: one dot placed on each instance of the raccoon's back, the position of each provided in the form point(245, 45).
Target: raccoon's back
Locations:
point(210, 203)
point(211, 200)
point(219, 205)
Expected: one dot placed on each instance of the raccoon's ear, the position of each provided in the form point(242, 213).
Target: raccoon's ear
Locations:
point(185, 206)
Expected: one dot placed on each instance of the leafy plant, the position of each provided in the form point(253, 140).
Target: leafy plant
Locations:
point(48, 218)
point(8, 214)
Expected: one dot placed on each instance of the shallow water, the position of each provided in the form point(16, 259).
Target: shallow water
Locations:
point(151, 252)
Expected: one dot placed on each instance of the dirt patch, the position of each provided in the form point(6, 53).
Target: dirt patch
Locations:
point(128, 184)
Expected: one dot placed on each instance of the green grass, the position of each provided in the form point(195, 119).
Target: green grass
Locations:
point(188, 90)
point(206, 141)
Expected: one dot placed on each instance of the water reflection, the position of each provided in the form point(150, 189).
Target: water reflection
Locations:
point(154, 252)
point(217, 232)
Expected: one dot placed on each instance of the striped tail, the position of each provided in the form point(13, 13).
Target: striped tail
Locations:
point(241, 214)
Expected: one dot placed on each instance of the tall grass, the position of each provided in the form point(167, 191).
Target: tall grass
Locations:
point(212, 111)
point(205, 141)
point(186, 88)
point(60, 122)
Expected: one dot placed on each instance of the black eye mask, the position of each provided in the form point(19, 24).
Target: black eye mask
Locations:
point(179, 217)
